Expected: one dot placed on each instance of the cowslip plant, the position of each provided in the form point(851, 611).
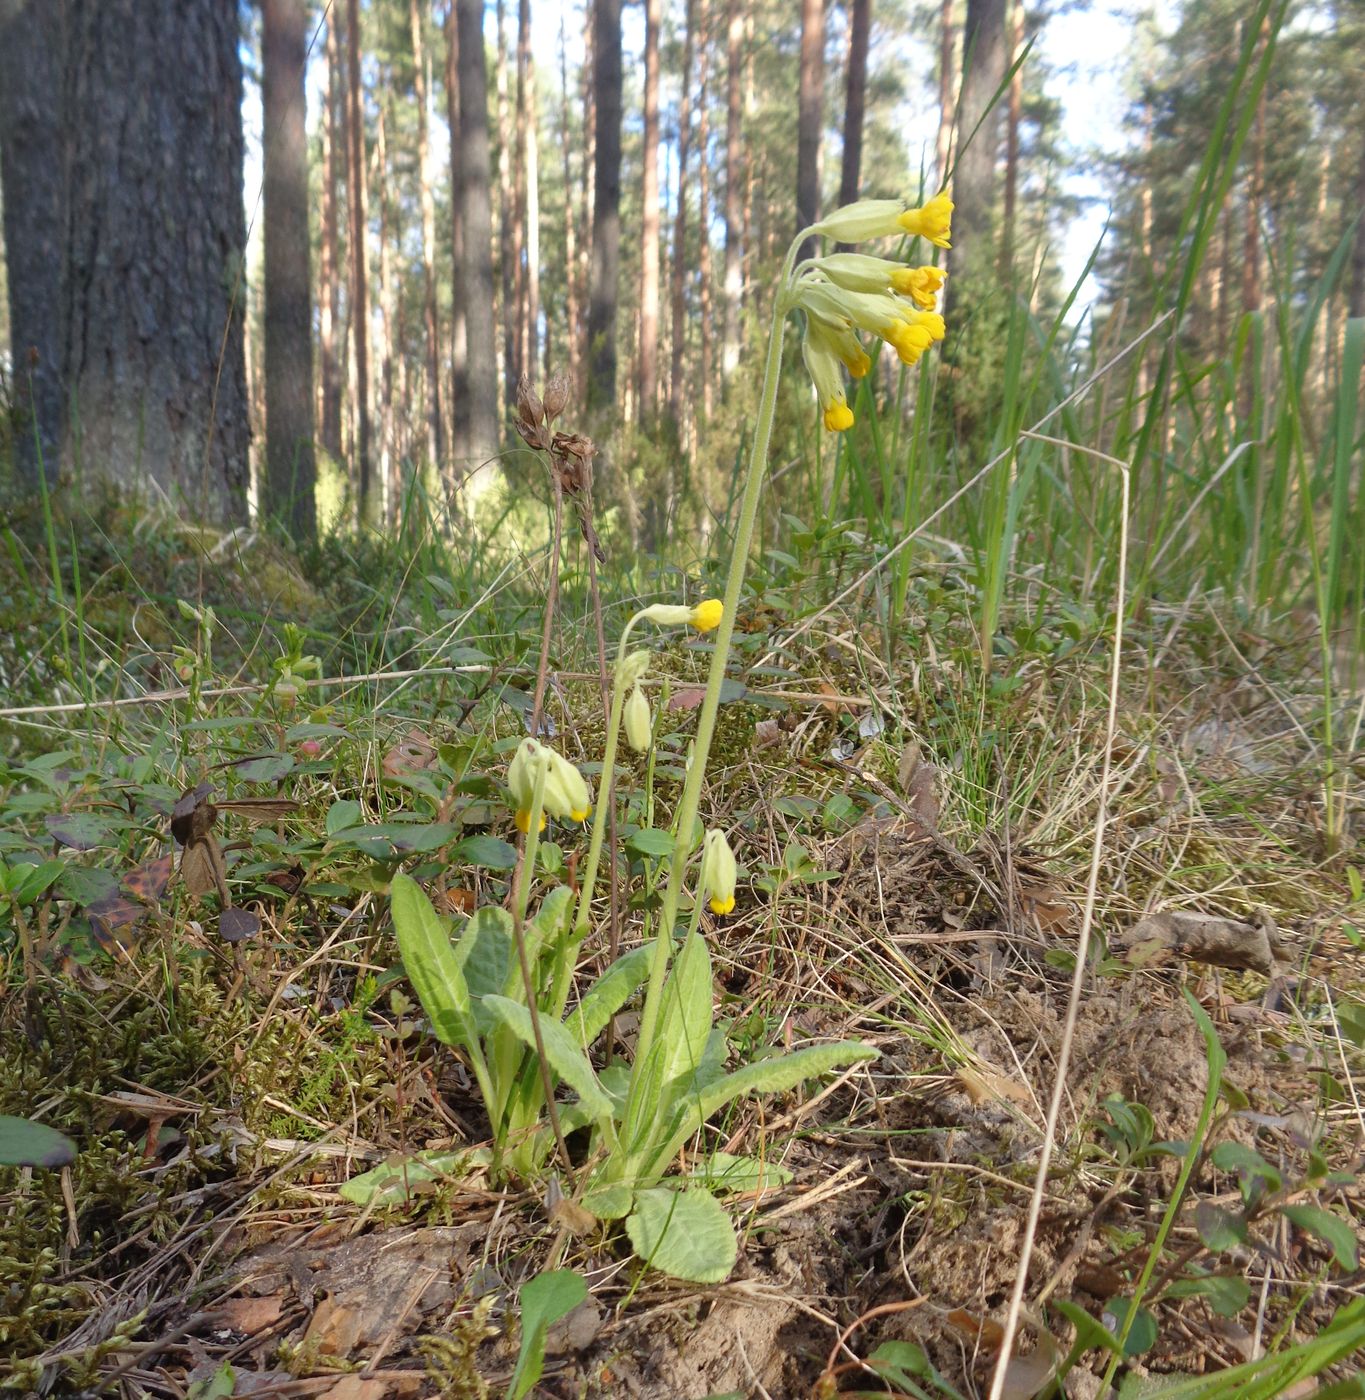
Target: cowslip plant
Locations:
point(513, 1025)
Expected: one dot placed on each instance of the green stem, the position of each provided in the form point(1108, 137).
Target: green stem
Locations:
point(706, 721)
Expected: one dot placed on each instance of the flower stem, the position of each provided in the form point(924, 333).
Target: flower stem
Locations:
point(686, 816)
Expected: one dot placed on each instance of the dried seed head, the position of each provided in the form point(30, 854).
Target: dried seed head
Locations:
point(529, 406)
point(556, 396)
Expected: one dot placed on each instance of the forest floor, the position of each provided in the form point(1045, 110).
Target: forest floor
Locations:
point(916, 840)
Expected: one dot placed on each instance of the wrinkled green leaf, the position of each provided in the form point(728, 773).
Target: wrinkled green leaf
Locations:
point(392, 1181)
point(608, 995)
point(686, 1020)
point(431, 964)
point(723, 1171)
point(566, 1059)
point(685, 1234)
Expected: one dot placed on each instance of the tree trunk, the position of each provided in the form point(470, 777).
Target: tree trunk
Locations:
point(459, 335)
point(649, 255)
point(359, 310)
point(948, 76)
point(855, 100)
point(153, 320)
point(530, 195)
point(678, 270)
point(1357, 302)
point(704, 205)
point(606, 213)
point(572, 302)
point(388, 455)
point(481, 442)
point(734, 228)
point(974, 178)
point(1016, 104)
point(329, 288)
point(290, 471)
point(32, 40)
point(422, 84)
point(509, 234)
point(809, 117)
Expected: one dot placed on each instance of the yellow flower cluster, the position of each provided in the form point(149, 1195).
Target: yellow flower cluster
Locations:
point(565, 793)
point(845, 293)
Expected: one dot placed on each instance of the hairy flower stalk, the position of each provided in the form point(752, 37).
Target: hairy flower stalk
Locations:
point(911, 330)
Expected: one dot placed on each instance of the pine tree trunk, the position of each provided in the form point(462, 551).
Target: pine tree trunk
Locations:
point(359, 311)
point(290, 471)
point(1357, 302)
point(948, 76)
point(734, 228)
point(155, 288)
point(809, 117)
point(459, 333)
point(431, 324)
point(572, 303)
point(1016, 104)
point(974, 178)
point(606, 214)
point(476, 283)
point(678, 269)
point(32, 41)
point(855, 100)
point(509, 235)
point(649, 254)
point(388, 456)
point(704, 205)
point(529, 204)
point(329, 285)
point(588, 185)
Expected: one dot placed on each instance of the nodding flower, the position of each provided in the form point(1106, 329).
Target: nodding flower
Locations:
point(920, 284)
point(823, 366)
point(718, 873)
point(565, 794)
point(638, 722)
point(705, 617)
point(932, 222)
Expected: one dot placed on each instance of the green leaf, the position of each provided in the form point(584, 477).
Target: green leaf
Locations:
point(86, 884)
point(1090, 1333)
point(431, 964)
point(221, 1385)
point(267, 768)
point(28, 882)
point(24, 1143)
point(770, 1076)
point(543, 930)
point(1141, 1334)
point(723, 1171)
point(685, 1234)
point(566, 1059)
point(609, 1202)
point(487, 852)
point(1219, 1229)
point(608, 995)
point(544, 1300)
point(81, 831)
point(1227, 1295)
point(343, 815)
point(656, 844)
point(686, 1019)
point(485, 951)
point(391, 1182)
point(1255, 1174)
point(1331, 1229)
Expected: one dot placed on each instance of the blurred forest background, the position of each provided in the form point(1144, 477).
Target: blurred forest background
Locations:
point(446, 196)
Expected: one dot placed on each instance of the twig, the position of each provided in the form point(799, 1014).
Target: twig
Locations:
point(551, 600)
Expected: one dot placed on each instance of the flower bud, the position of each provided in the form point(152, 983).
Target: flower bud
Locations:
point(639, 723)
point(718, 873)
point(633, 668)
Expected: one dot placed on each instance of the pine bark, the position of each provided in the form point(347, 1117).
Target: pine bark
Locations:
point(948, 77)
point(359, 308)
point(153, 289)
point(290, 470)
point(431, 325)
point(476, 282)
point(678, 270)
point(529, 203)
point(704, 288)
point(32, 40)
point(974, 180)
point(388, 454)
point(1357, 301)
point(572, 301)
point(509, 231)
point(1014, 117)
point(809, 117)
point(459, 334)
point(734, 227)
point(329, 284)
point(606, 216)
point(648, 390)
point(855, 100)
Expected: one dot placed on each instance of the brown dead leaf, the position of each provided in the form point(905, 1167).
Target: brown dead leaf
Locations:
point(918, 782)
point(984, 1085)
point(456, 901)
point(688, 697)
point(251, 1316)
point(336, 1327)
point(981, 1331)
point(1206, 938)
point(357, 1388)
point(576, 1331)
point(413, 753)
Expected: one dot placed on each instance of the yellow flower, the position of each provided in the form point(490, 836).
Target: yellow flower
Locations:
point(857, 272)
point(639, 724)
point(718, 873)
point(856, 223)
point(920, 284)
point(841, 342)
point(823, 366)
point(565, 793)
point(933, 221)
point(523, 821)
point(706, 615)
